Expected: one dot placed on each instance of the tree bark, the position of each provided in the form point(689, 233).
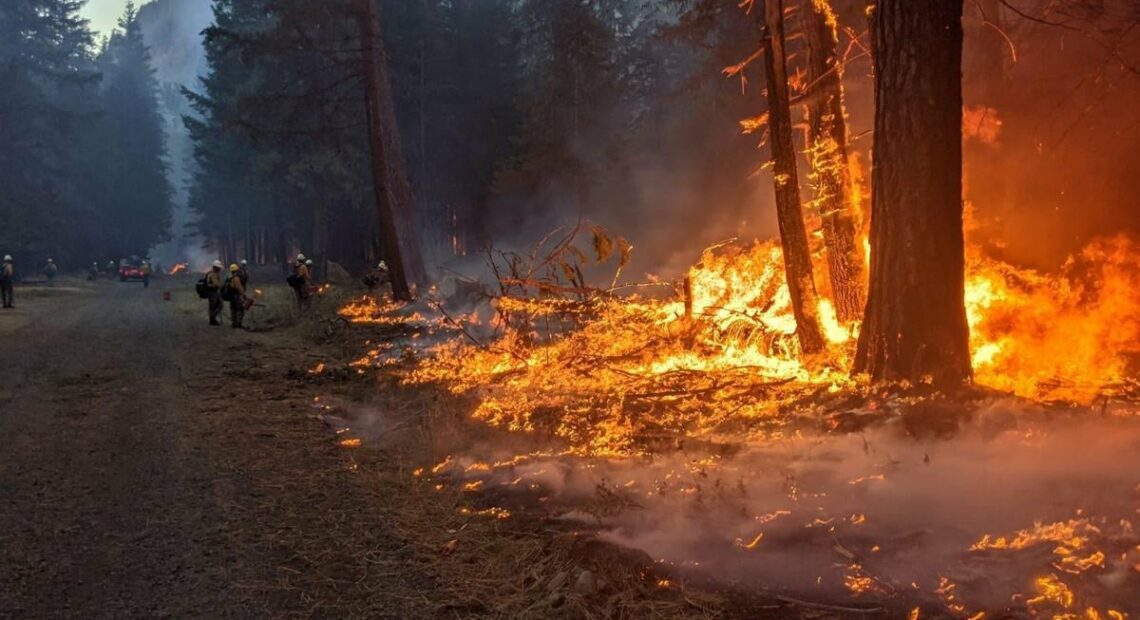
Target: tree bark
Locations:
point(789, 211)
point(915, 326)
point(827, 144)
point(398, 239)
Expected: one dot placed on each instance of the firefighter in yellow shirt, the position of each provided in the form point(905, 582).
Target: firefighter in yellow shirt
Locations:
point(214, 285)
point(236, 297)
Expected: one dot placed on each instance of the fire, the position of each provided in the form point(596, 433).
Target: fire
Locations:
point(178, 268)
point(369, 310)
point(724, 352)
point(1068, 336)
point(600, 370)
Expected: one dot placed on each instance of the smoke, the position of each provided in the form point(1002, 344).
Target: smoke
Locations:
point(172, 31)
point(895, 510)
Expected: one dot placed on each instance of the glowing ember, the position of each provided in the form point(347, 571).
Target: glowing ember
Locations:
point(178, 268)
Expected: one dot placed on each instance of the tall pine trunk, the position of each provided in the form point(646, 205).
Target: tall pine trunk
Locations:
point(915, 325)
point(789, 211)
point(398, 239)
point(827, 143)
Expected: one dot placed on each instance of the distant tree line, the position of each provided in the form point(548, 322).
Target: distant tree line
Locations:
point(509, 116)
point(82, 159)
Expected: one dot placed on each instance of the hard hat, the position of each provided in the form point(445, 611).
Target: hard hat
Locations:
point(7, 258)
point(382, 265)
point(234, 267)
point(309, 262)
point(49, 260)
point(300, 258)
point(217, 264)
point(244, 262)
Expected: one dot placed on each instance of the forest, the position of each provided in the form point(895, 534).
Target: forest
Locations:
point(640, 308)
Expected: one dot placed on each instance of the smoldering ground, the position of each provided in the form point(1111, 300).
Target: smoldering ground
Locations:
point(1009, 507)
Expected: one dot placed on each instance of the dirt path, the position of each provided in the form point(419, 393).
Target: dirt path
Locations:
point(153, 466)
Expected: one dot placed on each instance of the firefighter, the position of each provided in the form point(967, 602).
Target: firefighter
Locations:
point(7, 279)
point(214, 286)
point(145, 268)
point(302, 281)
point(50, 269)
point(243, 273)
point(237, 297)
point(93, 275)
point(378, 278)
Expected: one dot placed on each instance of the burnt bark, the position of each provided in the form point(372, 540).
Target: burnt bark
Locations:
point(398, 239)
point(915, 325)
point(827, 143)
point(789, 211)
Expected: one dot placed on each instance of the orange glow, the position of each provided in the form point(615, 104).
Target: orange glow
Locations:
point(1066, 336)
point(722, 349)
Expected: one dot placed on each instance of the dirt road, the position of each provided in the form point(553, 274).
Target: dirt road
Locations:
point(152, 466)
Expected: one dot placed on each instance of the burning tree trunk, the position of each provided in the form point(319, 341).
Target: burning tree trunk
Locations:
point(398, 238)
point(789, 212)
point(827, 146)
point(915, 325)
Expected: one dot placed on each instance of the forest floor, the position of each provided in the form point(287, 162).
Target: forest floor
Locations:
point(153, 466)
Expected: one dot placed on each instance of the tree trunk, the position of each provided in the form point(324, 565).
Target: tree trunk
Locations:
point(398, 239)
point(320, 247)
point(915, 326)
point(789, 212)
point(827, 144)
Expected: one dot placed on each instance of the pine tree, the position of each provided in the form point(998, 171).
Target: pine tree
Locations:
point(915, 326)
point(45, 69)
point(137, 203)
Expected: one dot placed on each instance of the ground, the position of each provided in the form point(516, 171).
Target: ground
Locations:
point(153, 466)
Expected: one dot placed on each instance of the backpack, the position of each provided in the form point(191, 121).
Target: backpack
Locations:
point(202, 288)
point(294, 281)
point(227, 292)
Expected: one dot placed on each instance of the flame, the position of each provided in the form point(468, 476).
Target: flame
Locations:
point(721, 351)
point(179, 268)
point(1068, 336)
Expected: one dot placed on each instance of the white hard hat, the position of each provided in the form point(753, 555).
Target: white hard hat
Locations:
point(309, 262)
point(300, 257)
point(382, 265)
point(218, 264)
point(49, 260)
point(244, 262)
point(7, 258)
